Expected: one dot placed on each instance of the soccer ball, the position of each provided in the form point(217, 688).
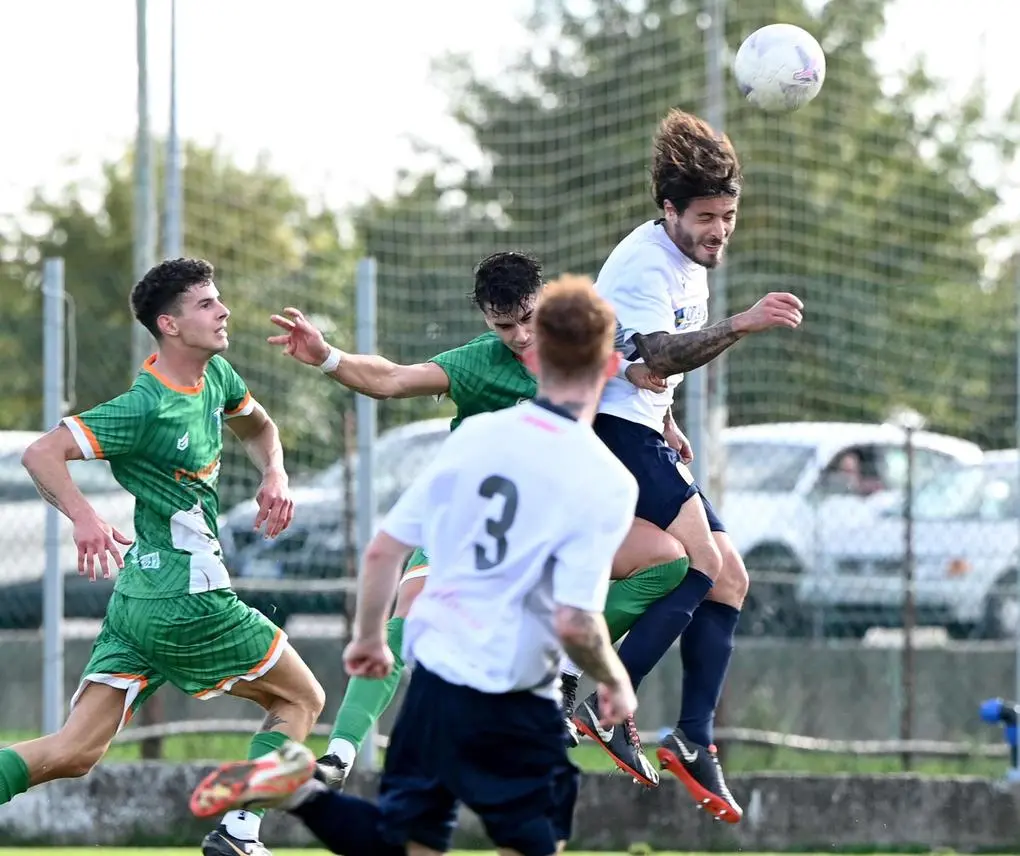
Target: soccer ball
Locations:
point(779, 68)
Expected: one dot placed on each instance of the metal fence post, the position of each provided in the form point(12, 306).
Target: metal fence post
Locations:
point(53, 580)
point(365, 407)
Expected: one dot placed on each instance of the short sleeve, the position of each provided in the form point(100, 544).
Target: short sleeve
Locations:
point(113, 428)
point(464, 369)
point(642, 305)
point(237, 397)
point(585, 559)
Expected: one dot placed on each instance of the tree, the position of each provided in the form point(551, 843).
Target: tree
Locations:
point(270, 246)
point(865, 204)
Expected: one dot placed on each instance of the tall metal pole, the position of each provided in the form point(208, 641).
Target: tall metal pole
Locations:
point(144, 199)
point(1016, 274)
point(53, 579)
point(705, 388)
point(909, 611)
point(365, 407)
point(173, 208)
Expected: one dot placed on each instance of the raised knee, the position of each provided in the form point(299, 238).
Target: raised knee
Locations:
point(708, 560)
point(733, 582)
point(314, 699)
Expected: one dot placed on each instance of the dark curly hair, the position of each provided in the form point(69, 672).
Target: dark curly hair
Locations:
point(159, 291)
point(690, 161)
point(504, 282)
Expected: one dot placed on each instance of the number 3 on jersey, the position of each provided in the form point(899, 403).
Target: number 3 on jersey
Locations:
point(498, 525)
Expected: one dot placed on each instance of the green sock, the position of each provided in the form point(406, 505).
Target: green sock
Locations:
point(367, 698)
point(629, 598)
point(262, 744)
point(13, 775)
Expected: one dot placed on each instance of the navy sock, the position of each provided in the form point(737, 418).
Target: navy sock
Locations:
point(346, 824)
point(660, 625)
point(706, 648)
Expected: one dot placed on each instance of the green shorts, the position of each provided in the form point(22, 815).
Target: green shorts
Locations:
point(417, 565)
point(203, 644)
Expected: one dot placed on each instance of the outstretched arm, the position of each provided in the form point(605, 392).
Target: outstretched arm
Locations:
point(673, 353)
point(369, 374)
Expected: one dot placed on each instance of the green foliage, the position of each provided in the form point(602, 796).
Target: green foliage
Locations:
point(271, 248)
point(866, 204)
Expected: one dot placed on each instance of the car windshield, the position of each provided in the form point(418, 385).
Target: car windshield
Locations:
point(983, 491)
point(397, 463)
point(773, 467)
point(92, 477)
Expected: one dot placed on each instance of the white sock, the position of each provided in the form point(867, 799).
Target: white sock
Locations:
point(244, 825)
point(569, 667)
point(343, 749)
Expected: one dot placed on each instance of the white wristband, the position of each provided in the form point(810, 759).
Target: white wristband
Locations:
point(328, 365)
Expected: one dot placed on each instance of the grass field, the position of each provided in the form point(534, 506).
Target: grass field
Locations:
point(738, 759)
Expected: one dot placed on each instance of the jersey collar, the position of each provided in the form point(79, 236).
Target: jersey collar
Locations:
point(546, 404)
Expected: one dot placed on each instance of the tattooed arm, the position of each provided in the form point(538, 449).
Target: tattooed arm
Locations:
point(46, 461)
point(674, 353)
point(585, 638)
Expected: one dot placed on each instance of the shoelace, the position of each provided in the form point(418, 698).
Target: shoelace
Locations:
point(632, 733)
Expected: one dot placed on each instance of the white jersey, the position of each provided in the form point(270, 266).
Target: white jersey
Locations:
point(521, 511)
point(653, 287)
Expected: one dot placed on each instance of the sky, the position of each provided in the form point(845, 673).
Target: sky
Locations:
point(331, 88)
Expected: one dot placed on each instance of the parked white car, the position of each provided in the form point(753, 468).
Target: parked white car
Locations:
point(23, 513)
point(794, 491)
point(966, 532)
point(315, 544)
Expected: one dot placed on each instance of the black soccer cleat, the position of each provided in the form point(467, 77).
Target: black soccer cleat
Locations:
point(219, 842)
point(568, 686)
point(698, 768)
point(620, 742)
point(332, 772)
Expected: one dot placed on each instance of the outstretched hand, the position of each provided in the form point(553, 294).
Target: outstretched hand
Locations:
point(776, 309)
point(303, 340)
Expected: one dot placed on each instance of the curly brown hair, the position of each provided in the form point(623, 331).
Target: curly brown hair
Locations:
point(690, 160)
point(574, 328)
point(159, 291)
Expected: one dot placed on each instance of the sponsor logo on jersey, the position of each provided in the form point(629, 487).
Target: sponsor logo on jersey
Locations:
point(182, 442)
point(688, 317)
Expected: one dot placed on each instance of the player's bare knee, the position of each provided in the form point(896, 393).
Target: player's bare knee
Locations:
point(312, 700)
point(706, 558)
point(733, 582)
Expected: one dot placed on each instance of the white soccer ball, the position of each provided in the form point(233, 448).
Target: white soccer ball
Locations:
point(779, 68)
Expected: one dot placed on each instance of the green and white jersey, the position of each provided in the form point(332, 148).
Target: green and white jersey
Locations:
point(485, 375)
point(163, 443)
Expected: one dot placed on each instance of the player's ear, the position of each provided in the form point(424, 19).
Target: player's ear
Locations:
point(167, 324)
point(530, 360)
point(612, 365)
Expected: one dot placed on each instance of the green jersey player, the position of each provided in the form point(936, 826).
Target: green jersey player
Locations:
point(484, 375)
point(173, 617)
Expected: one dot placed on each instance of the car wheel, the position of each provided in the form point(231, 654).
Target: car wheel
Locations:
point(1002, 609)
point(771, 607)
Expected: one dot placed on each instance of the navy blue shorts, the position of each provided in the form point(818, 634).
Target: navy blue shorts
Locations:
point(504, 756)
point(664, 483)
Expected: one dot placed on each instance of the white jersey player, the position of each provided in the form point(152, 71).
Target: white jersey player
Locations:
point(521, 514)
point(656, 280)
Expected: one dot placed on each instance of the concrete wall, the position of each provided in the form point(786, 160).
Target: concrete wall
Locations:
point(838, 690)
point(136, 804)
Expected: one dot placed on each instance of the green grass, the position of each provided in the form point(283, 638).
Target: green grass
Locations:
point(738, 759)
